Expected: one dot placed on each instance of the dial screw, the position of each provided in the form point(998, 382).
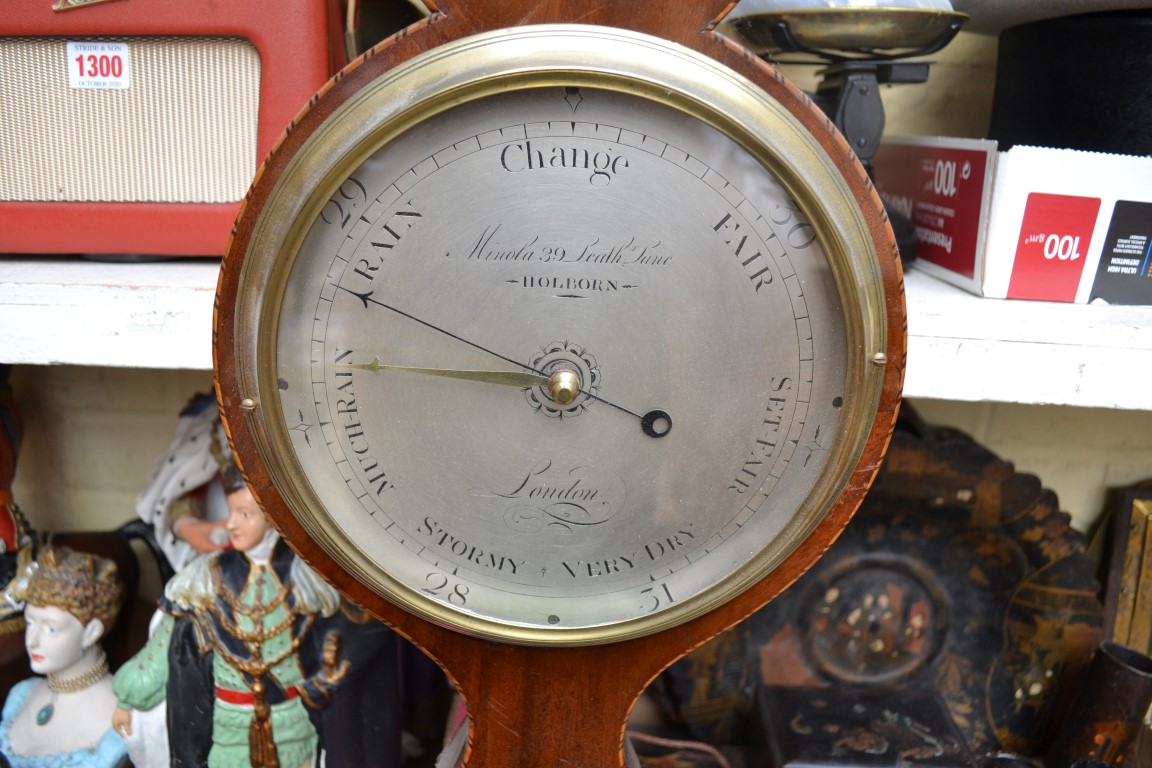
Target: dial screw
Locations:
point(879, 359)
point(248, 404)
point(563, 386)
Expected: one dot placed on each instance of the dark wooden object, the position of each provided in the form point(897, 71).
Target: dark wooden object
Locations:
point(532, 707)
point(958, 576)
point(854, 726)
point(1108, 711)
point(1127, 564)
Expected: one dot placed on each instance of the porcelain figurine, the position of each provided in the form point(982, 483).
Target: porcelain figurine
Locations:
point(185, 500)
point(61, 720)
point(230, 652)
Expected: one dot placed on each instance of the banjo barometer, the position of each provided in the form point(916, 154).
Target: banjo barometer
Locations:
point(561, 339)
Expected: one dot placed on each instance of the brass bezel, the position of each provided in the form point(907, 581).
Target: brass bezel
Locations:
point(531, 57)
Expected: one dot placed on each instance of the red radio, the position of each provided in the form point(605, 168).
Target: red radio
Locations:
point(136, 126)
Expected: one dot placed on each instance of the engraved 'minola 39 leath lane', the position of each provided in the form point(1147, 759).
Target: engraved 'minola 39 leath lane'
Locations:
point(499, 300)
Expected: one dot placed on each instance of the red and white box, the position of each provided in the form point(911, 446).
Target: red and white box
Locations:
point(944, 186)
point(1053, 224)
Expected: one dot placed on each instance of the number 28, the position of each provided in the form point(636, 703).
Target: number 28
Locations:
point(440, 586)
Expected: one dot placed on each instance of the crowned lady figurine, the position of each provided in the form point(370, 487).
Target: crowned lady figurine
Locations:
point(62, 719)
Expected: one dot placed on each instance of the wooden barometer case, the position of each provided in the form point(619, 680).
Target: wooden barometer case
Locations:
point(561, 336)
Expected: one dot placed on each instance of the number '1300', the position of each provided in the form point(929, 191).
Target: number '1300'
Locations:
point(100, 65)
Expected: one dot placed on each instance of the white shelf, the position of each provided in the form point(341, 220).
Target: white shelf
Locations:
point(60, 311)
point(960, 346)
point(964, 347)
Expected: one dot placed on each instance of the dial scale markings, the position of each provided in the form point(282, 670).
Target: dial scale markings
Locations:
point(364, 222)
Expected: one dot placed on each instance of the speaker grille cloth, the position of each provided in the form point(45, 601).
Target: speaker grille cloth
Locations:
point(183, 132)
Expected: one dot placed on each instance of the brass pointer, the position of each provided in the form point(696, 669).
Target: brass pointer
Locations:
point(563, 386)
point(508, 378)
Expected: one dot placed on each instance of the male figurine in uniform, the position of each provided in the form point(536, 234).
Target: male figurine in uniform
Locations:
point(228, 653)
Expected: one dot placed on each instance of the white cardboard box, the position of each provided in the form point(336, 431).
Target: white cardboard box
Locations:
point(1044, 224)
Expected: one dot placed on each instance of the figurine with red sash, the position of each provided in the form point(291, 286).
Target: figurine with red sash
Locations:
point(228, 652)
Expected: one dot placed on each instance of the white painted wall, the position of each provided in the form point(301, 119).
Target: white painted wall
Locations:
point(91, 438)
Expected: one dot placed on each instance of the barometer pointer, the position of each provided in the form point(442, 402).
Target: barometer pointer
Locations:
point(507, 378)
point(654, 423)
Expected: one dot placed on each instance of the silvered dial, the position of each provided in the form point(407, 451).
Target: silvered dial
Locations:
point(561, 362)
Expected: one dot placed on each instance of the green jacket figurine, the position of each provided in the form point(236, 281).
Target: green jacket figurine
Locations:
point(230, 644)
